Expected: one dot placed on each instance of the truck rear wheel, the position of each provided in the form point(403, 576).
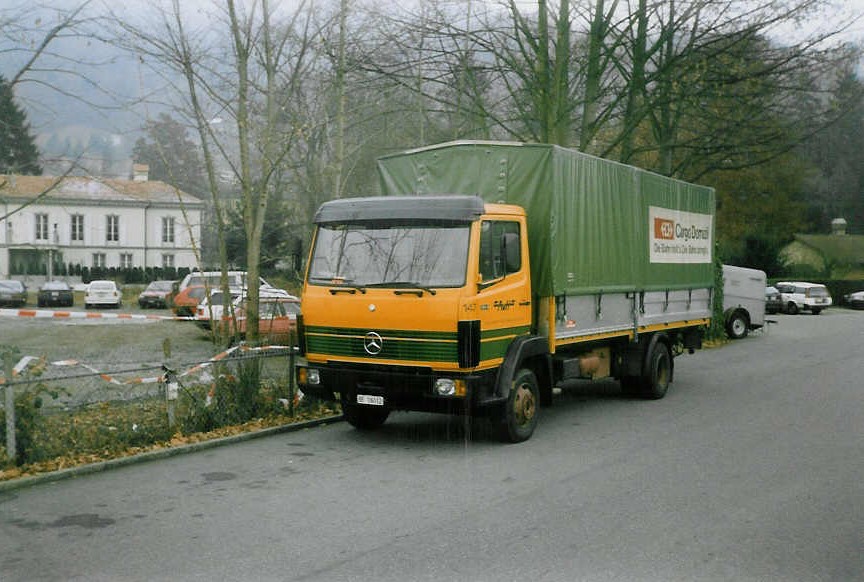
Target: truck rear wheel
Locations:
point(520, 416)
point(364, 417)
point(658, 374)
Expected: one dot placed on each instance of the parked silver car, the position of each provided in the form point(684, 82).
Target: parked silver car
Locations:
point(13, 293)
point(855, 300)
point(773, 301)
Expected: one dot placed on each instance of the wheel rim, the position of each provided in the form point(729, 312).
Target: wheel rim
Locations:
point(738, 326)
point(662, 374)
point(524, 405)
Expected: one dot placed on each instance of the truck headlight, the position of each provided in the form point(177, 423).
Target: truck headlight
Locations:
point(449, 387)
point(308, 377)
point(313, 377)
point(445, 387)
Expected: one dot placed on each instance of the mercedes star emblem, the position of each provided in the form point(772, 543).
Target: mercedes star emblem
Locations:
point(373, 343)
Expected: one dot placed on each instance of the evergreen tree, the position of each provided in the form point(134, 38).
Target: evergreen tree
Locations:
point(18, 151)
point(172, 156)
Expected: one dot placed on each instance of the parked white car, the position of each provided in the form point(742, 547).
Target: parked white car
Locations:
point(103, 293)
point(211, 308)
point(797, 296)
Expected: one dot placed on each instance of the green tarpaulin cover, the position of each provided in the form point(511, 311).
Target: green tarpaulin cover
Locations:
point(594, 226)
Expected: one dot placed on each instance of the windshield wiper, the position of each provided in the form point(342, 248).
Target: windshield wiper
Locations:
point(341, 285)
point(403, 287)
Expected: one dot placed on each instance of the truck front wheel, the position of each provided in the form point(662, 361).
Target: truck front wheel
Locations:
point(364, 417)
point(520, 416)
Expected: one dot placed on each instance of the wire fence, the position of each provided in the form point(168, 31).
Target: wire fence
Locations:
point(62, 411)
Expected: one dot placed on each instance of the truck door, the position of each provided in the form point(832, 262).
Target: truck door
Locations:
point(503, 300)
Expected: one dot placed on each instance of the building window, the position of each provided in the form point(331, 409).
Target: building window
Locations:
point(77, 227)
point(112, 228)
point(167, 261)
point(41, 226)
point(99, 261)
point(167, 229)
point(126, 260)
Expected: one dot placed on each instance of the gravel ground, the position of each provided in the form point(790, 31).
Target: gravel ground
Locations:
point(110, 346)
point(111, 342)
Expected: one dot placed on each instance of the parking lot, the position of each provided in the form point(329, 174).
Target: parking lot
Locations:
point(107, 341)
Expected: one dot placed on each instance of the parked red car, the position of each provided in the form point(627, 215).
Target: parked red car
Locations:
point(156, 294)
point(277, 319)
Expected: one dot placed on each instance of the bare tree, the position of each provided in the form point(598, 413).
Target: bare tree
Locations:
point(255, 80)
point(620, 79)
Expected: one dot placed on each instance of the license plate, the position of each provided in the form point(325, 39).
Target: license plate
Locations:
point(370, 400)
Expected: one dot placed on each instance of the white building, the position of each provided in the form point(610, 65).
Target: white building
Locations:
point(96, 222)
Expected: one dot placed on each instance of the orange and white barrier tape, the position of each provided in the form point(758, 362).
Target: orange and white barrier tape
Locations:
point(26, 361)
point(49, 314)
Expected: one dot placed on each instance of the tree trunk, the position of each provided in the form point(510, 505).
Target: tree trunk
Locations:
point(593, 76)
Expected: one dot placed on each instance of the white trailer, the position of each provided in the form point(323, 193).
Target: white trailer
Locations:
point(743, 300)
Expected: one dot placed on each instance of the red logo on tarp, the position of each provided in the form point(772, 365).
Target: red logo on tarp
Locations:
point(664, 229)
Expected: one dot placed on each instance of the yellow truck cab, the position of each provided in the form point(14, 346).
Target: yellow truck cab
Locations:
point(463, 304)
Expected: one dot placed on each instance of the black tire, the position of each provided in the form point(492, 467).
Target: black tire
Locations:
point(658, 373)
point(364, 417)
point(738, 325)
point(792, 308)
point(519, 420)
point(40, 303)
point(816, 310)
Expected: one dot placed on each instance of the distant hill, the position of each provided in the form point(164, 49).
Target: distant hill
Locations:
point(96, 113)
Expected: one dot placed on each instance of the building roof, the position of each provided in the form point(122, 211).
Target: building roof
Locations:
point(846, 249)
point(93, 190)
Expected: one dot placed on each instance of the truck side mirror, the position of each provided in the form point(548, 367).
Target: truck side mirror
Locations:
point(511, 251)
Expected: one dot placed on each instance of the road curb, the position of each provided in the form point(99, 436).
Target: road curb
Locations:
point(160, 454)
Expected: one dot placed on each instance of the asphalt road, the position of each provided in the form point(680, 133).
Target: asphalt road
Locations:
point(752, 468)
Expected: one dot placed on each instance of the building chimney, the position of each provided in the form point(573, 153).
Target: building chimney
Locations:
point(140, 172)
point(838, 227)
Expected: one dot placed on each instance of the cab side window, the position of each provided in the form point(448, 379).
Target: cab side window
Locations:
point(500, 249)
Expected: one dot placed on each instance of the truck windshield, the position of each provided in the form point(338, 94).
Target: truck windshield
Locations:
point(427, 255)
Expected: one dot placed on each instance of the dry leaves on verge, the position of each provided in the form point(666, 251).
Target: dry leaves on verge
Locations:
point(178, 440)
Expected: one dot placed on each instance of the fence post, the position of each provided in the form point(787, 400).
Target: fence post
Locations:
point(8, 368)
point(171, 387)
point(292, 388)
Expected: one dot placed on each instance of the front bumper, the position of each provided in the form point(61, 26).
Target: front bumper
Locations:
point(401, 387)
